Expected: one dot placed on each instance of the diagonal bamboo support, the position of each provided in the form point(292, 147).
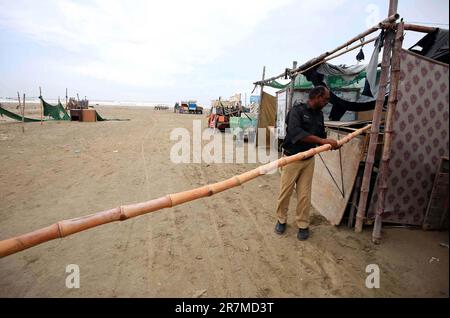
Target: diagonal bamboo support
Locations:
point(67, 227)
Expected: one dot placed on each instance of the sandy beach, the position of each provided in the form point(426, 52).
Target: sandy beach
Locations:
point(221, 246)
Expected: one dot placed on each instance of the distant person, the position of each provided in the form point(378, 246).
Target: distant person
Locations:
point(305, 130)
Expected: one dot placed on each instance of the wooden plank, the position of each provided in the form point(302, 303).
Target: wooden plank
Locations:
point(326, 196)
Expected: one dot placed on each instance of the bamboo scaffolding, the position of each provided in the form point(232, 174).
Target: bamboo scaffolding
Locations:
point(67, 227)
point(334, 56)
point(370, 160)
point(389, 123)
point(293, 75)
point(392, 18)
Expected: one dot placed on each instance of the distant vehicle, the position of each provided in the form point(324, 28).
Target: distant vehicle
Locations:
point(193, 108)
point(190, 107)
point(161, 107)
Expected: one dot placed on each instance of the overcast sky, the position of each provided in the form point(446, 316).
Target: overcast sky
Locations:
point(164, 51)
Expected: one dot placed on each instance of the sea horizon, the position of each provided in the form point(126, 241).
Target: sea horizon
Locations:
point(94, 102)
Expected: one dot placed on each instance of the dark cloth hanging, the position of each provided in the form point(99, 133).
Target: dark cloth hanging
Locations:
point(340, 106)
point(434, 45)
point(360, 56)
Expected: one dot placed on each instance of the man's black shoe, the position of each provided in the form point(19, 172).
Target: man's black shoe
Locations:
point(303, 234)
point(280, 228)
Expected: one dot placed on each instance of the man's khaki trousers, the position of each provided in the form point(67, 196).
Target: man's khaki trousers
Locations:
point(298, 174)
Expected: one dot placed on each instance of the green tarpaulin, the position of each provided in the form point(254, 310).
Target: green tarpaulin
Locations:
point(11, 115)
point(56, 112)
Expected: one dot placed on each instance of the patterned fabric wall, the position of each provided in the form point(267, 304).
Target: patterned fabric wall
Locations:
point(421, 138)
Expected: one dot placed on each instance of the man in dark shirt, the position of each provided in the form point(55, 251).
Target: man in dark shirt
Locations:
point(305, 130)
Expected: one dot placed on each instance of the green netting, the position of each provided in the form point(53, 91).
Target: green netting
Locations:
point(332, 81)
point(335, 81)
point(15, 116)
point(56, 112)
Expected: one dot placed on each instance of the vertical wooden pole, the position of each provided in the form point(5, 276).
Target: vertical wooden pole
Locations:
point(392, 105)
point(260, 104)
point(42, 104)
point(262, 89)
point(291, 93)
point(385, 63)
point(20, 103)
point(66, 98)
point(23, 114)
point(20, 107)
point(23, 108)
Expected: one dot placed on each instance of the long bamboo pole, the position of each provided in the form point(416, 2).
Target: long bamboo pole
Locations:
point(328, 59)
point(347, 50)
point(370, 160)
point(392, 105)
point(392, 18)
point(335, 56)
point(67, 227)
point(418, 28)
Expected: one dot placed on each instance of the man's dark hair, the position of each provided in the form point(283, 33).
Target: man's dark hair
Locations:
point(317, 91)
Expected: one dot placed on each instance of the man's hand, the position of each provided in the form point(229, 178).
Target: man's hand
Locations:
point(321, 141)
point(334, 144)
